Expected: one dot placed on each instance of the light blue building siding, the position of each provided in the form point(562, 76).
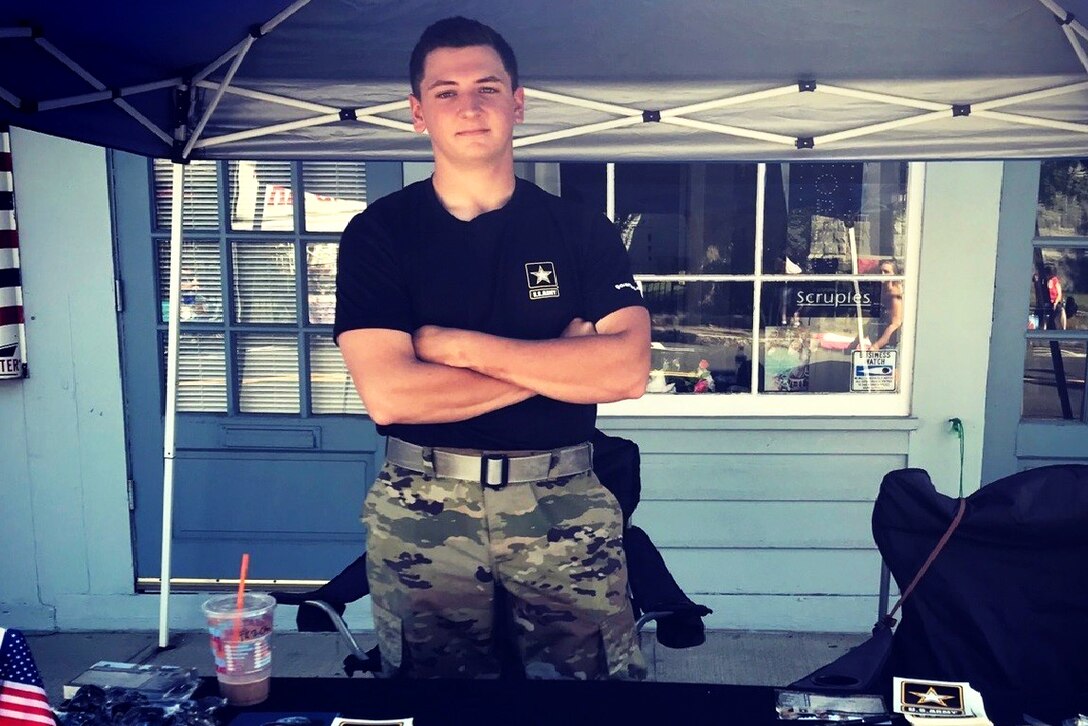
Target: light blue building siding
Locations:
point(764, 519)
point(64, 516)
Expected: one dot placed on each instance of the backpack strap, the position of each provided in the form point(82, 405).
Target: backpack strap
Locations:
point(889, 619)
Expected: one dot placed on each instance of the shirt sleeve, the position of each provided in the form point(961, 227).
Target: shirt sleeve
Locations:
point(609, 284)
point(371, 291)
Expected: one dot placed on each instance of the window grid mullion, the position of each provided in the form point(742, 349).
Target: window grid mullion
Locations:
point(227, 281)
point(301, 292)
point(757, 291)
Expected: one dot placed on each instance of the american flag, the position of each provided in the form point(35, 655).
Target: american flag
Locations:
point(22, 697)
point(12, 326)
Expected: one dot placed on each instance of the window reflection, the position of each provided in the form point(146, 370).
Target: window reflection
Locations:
point(701, 332)
point(834, 218)
point(817, 336)
point(687, 218)
point(1062, 210)
point(321, 281)
point(1059, 281)
point(261, 196)
point(1054, 375)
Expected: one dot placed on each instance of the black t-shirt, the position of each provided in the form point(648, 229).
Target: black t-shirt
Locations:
point(523, 271)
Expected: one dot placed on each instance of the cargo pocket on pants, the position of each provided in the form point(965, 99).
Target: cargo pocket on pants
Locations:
point(390, 632)
point(620, 645)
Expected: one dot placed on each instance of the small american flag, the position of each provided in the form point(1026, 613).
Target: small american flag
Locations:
point(22, 697)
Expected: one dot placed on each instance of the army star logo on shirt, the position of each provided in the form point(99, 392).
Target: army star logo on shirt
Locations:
point(542, 280)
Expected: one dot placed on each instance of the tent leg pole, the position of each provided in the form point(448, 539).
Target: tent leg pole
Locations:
point(171, 406)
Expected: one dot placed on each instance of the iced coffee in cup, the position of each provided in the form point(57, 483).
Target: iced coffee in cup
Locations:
point(242, 645)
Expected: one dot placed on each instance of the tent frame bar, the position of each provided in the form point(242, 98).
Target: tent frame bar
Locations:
point(577, 102)
point(882, 98)
point(1030, 96)
point(143, 120)
point(1033, 121)
point(273, 98)
point(69, 63)
point(730, 130)
point(363, 115)
point(1062, 14)
point(99, 86)
point(677, 116)
point(263, 30)
point(235, 64)
point(106, 94)
point(729, 101)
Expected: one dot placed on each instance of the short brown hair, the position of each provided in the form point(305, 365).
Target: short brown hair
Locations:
point(459, 32)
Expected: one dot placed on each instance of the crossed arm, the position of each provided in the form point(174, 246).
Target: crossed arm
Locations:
point(440, 375)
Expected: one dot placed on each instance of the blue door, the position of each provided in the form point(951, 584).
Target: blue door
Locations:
point(274, 450)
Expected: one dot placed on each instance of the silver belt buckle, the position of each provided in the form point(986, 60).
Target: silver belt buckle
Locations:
point(494, 470)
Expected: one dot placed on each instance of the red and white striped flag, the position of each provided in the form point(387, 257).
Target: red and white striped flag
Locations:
point(22, 696)
point(12, 329)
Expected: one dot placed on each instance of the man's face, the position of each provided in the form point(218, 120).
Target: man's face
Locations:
point(466, 105)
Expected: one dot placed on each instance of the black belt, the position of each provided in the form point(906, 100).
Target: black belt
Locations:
point(492, 469)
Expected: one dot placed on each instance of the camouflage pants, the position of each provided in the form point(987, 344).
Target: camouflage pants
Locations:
point(437, 546)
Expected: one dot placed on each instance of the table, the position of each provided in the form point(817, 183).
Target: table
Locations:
point(519, 703)
point(567, 703)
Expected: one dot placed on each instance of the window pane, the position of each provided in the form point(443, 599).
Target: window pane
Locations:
point(331, 389)
point(696, 218)
point(812, 330)
point(264, 282)
point(819, 216)
point(261, 197)
point(321, 282)
point(1054, 379)
point(1059, 286)
point(268, 368)
point(335, 192)
point(1062, 210)
point(200, 203)
point(201, 292)
point(202, 372)
point(701, 336)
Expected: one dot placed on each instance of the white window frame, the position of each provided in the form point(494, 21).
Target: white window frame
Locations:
point(795, 404)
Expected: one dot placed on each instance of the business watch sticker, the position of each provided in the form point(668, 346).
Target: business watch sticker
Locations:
point(874, 370)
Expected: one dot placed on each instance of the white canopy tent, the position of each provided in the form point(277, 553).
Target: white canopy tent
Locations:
point(622, 80)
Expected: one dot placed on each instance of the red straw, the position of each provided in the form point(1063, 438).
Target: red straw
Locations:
point(242, 580)
point(241, 596)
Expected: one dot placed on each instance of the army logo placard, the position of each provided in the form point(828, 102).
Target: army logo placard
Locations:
point(542, 280)
point(931, 698)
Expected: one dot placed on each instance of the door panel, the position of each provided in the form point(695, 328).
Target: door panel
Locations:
point(286, 488)
point(298, 516)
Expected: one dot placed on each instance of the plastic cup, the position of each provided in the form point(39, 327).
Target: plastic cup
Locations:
point(242, 645)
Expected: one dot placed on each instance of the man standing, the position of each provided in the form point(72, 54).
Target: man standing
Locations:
point(482, 319)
